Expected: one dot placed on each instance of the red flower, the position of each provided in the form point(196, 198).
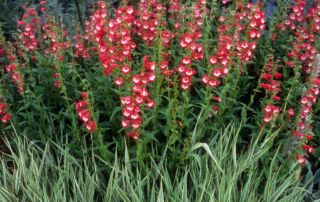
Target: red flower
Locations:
point(84, 115)
point(119, 81)
point(150, 103)
point(6, 118)
point(213, 60)
point(309, 137)
point(81, 104)
point(134, 134)
point(309, 149)
point(125, 69)
point(91, 126)
point(216, 98)
point(270, 111)
point(301, 159)
point(3, 106)
point(290, 112)
point(57, 84)
point(84, 95)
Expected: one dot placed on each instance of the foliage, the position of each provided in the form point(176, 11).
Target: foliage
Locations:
point(47, 171)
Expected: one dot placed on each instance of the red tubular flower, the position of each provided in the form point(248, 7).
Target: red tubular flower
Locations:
point(216, 98)
point(6, 117)
point(84, 115)
point(134, 134)
point(91, 126)
point(125, 69)
point(290, 112)
point(297, 134)
point(81, 104)
point(84, 95)
point(215, 108)
point(301, 159)
point(3, 106)
point(57, 84)
point(309, 137)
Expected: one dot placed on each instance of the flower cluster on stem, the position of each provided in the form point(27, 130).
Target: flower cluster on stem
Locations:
point(4, 114)
point(237, 38)
point(148, 19)
point(193, 49)
point(272, 85)
point(29, 26)
point(140, 96)
point(84, 113)
point(13, 70)
point(305, 25)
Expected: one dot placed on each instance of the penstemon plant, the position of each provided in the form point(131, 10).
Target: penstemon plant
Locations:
point(165, 75)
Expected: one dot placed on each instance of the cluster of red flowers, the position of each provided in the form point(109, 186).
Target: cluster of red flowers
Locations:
point(164, 66)
point(199, 12)
point(248, 21)
point(175, 13)
point(119, 35)
point(148, 20)
point(115, 43)
point(194, 50)
point(219, 61)
point(186, 71)
point(28, 26)
point(119, 32)
point(98, 22)
point(84, 113)
point(13, 71)
point(4, 115)
point(255, 18)
point(296, 15)
point(306, 26)
point(43, 6)
point(272, 86)
point(140, 95)
point(313, 17)
point(166, 37)
point(57, 82)
point(82, 42)
point(304, 125)
point(54, 36)
point(270, 112)
point(303, 50)
point(271, 77)
point(81, 50)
